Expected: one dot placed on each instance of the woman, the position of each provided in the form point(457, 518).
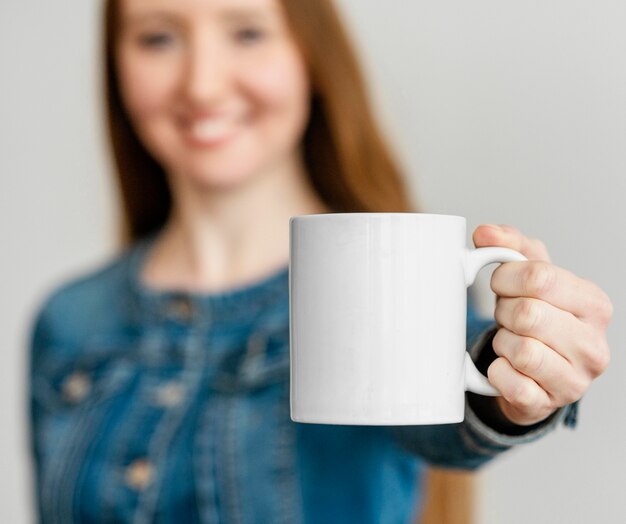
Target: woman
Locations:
point(160, 381)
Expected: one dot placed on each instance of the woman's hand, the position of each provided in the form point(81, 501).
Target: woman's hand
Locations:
point(552, 339)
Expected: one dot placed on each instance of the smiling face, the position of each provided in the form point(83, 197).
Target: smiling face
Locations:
point(217, 90)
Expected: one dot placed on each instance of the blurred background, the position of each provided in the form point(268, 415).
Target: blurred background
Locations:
point(504, 112)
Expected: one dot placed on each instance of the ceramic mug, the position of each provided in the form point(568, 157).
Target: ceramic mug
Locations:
point(377, 310)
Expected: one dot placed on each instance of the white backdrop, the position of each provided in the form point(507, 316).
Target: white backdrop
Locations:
point(506, 112)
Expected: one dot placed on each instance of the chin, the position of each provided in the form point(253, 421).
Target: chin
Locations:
point(220, 179)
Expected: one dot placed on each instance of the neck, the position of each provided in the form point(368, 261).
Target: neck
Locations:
point(224, 238)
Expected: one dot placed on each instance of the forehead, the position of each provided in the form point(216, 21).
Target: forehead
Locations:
point(139, 9)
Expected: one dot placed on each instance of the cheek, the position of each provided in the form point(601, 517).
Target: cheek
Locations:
point(282, 87)
point(145, 88)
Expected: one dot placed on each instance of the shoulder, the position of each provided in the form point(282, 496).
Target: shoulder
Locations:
point(82, 305)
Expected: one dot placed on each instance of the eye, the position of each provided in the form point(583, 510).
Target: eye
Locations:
point(249, 35)
point(155, 40)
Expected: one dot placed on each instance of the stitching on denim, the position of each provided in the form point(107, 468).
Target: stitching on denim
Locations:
point(290, 501)
point(227, 465)
point(256, 350)
point(165, 432)
point(79, 485)
point(254, 372)
point(53, 473)
point(61, 482)
point(204, 464)
point(119, 450)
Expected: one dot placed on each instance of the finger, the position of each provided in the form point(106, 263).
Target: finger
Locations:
point(545, 366)
point(558, 329)
point(554, 285)
point(508, 236)
point(532, 248)
point(529, 401)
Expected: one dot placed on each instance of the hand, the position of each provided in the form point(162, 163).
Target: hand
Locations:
point(551, 343)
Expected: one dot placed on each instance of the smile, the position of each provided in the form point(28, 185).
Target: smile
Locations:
point(211, 131)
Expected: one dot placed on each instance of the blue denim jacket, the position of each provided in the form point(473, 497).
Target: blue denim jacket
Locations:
point(170, 407)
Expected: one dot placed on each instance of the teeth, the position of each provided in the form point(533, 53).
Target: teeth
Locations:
point(211, 129)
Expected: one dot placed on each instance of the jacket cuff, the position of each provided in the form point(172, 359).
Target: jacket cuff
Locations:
point(479, 434)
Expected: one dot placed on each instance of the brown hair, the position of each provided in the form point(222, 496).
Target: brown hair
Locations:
point(347, 160)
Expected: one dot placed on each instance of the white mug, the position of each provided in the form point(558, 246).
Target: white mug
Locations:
point(377, 315)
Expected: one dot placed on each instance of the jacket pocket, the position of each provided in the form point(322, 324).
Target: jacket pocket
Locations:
point(101, 369)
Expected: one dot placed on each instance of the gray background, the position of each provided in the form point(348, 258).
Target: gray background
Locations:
point(505, 112)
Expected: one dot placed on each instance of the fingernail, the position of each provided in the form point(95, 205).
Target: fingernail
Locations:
point(495, 227)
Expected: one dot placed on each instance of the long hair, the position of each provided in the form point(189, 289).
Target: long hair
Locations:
point(347, 160)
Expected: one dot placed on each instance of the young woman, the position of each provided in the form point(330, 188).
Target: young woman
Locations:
point(160, 381)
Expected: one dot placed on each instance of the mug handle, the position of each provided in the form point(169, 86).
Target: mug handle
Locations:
point(475, 260)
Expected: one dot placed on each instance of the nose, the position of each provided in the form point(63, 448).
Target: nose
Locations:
point(207, 72)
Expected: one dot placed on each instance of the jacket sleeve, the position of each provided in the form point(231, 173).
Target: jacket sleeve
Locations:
point(473, 442)
point(39, 339)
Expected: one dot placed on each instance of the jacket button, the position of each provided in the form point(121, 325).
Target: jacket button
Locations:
point(170, 395)
point(139, 473)
point(76, 387)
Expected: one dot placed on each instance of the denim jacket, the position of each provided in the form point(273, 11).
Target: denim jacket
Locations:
point(172, 407)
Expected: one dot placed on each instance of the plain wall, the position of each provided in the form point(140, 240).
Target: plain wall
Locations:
point(505, 112)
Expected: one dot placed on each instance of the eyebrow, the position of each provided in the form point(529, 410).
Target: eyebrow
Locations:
point(234, 13)
point(139, 18)
point(231, 14)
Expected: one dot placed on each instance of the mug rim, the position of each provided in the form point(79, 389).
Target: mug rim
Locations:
point(318, 216)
